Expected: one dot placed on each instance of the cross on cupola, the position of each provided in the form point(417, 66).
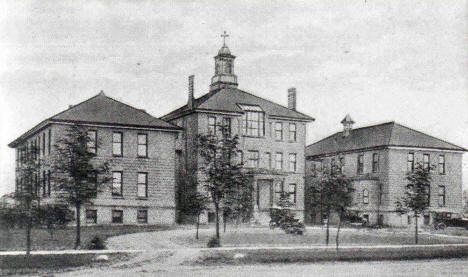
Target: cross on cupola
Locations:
point(224, 36)
point(224, 68)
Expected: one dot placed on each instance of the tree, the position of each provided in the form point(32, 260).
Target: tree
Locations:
point(238, 203)
point(284, 216)
point(77, 176)
point(196, 203)
point(27, 189)
point(333, 193)
point(417, 196)
point(223, 175)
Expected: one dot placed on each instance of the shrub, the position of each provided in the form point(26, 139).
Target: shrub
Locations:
point(97, 243)
point(213, 242)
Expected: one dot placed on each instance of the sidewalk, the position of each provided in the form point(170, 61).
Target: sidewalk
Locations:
point(63, 252)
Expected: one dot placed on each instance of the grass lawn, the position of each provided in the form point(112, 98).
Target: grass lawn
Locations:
point(65, 238)
point(313, 236)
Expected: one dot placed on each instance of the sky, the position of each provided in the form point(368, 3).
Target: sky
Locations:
point(379, 61)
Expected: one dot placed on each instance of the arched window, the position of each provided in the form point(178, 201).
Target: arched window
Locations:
point(365, 196)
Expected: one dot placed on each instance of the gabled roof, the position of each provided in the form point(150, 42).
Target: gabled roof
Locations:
point(382, 135)
point(102, 109)
point(227, 100)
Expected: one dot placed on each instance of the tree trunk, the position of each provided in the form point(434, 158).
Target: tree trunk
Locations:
point(198, 224)
point(338, 231)
point(416, 228)
point(327, 239)
point(78, 226)
point(28, 228)
point(217, 221)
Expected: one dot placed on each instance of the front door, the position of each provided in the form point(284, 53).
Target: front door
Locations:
point(264, 197)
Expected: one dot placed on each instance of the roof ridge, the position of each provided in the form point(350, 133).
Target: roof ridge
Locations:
point(360, 128)
point(420, 132)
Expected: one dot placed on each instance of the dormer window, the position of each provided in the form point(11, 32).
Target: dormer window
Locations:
point(253, 120)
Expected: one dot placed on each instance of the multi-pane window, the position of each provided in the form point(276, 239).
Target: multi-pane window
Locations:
point(360, 164)
point(292, 162)
point(142, 185)
point(292, 132)
point(253, 120)
point(49, 141)
point(410, 162)
point(253, 159)
point(279, 131)
point(142, 148)
point(441, 196)
point(142, 216)
point(375, 162)
point(279, 161)
point(211, 125)
point(117, 143)
point(342, 164)
point(292, 193)
point(117, 183)
point(227, 125)
point(427, 194)
point(117, 216)
point(441, 164)
point(426, 159)
point(91, 216)
point(92, 146)
point(93, 184)
point(365, 196)
point(278, 190)
point(268, 160)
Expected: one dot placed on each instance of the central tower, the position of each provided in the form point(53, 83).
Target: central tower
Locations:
point(224, 68)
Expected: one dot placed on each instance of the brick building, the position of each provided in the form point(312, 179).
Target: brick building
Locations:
point(139, 147)
point(272, 137)
point(378, 158)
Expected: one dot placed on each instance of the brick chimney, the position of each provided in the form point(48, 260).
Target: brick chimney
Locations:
point(292, 99)
point(190, 92)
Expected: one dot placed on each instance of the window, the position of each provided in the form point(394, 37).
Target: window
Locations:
point(48, 182)
point(92, 146)
point(278, 190)
point(142, 216)
point(427, 194)
point(227, 125)
point(292, 193)
point(360, 164)
point(426, 159)
point(39, 145)
point(117, 216)
point(44, 189)
point(211, 125)
point(43, 144)
point(279, 161)
point(375, 162)
point(253, 120)
point(279, 131)
point(268, 160)
point(93, 184)
point(49, 141)
point(117, 144)
point(117, 183)
point(365, 196)
point(410, 163)
point(253, 159)
point(441, 196)
point(142, 186)
point(142, 142)
point(292, 162)
point(441, 164)
point(91, 216)
point(292, 132)
point(240, 156)
point(342, 164)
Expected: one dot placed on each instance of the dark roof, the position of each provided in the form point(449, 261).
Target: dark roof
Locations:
point(386, 134)
point(102, 109)
point(226, 100)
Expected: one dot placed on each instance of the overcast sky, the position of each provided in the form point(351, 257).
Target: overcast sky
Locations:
point(377, 60)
